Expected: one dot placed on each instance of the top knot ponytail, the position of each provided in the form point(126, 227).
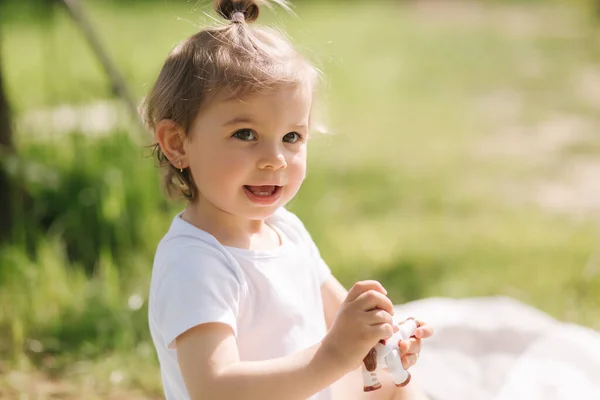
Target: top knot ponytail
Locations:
point(239, 11)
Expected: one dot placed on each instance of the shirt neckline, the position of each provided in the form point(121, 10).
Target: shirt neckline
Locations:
point(272, 221)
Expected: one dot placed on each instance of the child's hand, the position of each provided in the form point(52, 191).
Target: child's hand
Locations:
point(410, 349)
point(363, 319)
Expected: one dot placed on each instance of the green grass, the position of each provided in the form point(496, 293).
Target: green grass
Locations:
point(402, 192)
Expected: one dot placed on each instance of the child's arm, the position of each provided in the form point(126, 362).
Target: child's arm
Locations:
point(210, 365)
point(211, 368)
point(333, 295)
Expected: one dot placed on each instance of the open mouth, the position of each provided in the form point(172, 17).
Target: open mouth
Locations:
point(263, 190)
point(263, 194)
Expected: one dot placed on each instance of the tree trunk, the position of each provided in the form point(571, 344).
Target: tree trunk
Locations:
point(6, 148)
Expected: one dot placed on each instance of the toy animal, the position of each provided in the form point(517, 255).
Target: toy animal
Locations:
point(387, 354)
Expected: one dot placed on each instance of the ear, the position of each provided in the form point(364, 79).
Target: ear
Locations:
point(170, 136)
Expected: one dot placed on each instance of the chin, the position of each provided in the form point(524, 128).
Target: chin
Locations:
point(262, 214)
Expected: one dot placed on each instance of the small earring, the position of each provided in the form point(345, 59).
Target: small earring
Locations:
point(180, 169)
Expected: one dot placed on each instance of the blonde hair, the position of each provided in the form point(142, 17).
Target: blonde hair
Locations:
point(236, 57)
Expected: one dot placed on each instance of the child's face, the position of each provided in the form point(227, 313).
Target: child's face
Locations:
point(248, 156)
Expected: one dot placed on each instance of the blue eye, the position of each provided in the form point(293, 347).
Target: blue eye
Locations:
point(292, 137)
point(245, 135)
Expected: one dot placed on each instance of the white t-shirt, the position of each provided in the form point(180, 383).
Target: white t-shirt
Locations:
point(271, 299)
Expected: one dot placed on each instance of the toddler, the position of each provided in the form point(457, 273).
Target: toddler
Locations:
point(241, 304)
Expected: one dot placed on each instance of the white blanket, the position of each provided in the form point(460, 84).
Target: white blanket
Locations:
point(500, 349)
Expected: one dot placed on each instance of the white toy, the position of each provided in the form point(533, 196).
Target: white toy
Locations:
point(387, 354)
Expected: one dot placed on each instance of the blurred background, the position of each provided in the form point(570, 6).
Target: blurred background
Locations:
point(463, 160)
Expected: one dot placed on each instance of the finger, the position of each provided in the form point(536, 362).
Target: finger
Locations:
point(423, 330)
point(410, 346)
point(363, 286)
point(381, 331)
point(409, 360)
point(378, 316)
point(372, 299)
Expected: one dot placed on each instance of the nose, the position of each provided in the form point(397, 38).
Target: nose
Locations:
point(272, 157)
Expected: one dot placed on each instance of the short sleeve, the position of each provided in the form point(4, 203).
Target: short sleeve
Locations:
point(323, 271)
point(198, 287)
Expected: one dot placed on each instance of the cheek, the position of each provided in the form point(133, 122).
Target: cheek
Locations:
point(298, 165)
point(220, 166)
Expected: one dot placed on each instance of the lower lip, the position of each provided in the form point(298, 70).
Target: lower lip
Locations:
point(264, 200)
